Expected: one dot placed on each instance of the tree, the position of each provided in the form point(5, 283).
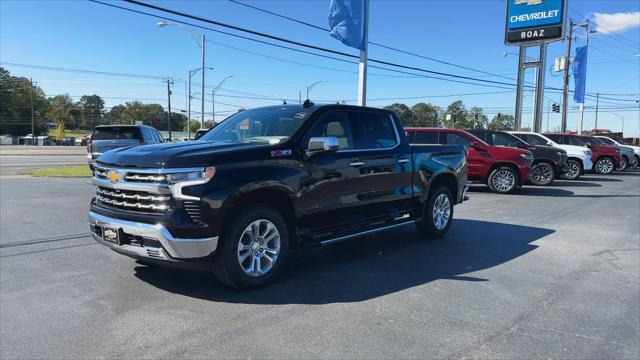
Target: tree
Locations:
point(15, 106)
point(426, 115)
point(458, 116)
point(477, 119)
point(403, 112)
point(62, 111)
point(91, 110)
point(502, 122)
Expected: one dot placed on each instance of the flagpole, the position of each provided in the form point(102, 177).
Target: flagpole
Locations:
point(362, 66)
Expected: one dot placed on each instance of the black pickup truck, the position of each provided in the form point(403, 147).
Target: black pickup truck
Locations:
point(268, 180)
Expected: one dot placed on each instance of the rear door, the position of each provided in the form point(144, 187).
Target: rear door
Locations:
point(479, 161)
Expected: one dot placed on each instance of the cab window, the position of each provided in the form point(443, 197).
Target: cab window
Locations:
point(425, 137)
point(372, 130)
point(457, 139)
point(336, 124)
point(504, 140)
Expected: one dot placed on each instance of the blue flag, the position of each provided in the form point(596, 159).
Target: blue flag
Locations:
point(580, 74)
point(347, 22)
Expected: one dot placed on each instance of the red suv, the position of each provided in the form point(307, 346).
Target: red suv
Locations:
point(605, 158)
point(502, 168)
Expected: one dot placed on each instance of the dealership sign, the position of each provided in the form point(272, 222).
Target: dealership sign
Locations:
point(534, 20)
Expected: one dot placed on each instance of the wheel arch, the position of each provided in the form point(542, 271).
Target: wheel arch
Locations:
point(275, 197)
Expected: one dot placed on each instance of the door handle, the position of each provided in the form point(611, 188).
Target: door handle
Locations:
point(357, 163)
point(403, 161)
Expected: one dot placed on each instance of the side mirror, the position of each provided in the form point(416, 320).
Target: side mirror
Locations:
point(476, 145)
point(322, 144)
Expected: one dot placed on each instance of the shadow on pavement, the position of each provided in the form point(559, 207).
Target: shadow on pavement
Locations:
point(367, 267)
point(596, 178)
point(575, 183)
point(527, 190)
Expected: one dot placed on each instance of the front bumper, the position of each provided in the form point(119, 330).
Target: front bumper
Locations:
point(142, 240)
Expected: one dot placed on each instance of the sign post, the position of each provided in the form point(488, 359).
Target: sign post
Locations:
point(533, 23)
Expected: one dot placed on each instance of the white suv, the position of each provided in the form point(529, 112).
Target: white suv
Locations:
point(578, 157)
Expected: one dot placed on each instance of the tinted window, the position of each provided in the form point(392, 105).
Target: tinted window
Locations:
point(500, 139)
point(426, 137)
point(373, 131)
point(572, 140)
point(115, 133)
point(457, 139)
point(607, 141)
point(534, 140)
point(336, 124)
point(557, 138)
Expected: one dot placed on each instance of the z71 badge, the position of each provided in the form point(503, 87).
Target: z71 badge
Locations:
point(280, 153)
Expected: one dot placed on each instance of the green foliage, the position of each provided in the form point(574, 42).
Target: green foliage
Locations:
point(15, 106)
point(403, 112)
point(426, 115)
point(458, 116)
point(502, 122)
point(477, 119)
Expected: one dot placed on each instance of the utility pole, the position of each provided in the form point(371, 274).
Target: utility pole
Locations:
point(189, 108)
point(169, 105)
point(202, 86)
point(595, 127)
point(565, 93)
point(33, 128)
point(213, 94)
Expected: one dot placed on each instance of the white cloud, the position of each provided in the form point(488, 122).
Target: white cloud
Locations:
point(615, 23)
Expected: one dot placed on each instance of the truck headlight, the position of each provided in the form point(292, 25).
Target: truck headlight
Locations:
point(191, 176)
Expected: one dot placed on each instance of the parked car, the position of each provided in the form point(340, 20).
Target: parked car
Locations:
point(578, 157)
point(635, 147)
point(605, 158)
point(548, 162)
point(109, 137)
point(503, 169)
point(628, 155)
point(270, 179)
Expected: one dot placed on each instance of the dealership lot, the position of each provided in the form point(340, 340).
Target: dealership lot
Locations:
point(547, 272)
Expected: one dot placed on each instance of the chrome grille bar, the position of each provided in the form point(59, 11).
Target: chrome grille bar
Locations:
point(135, 196)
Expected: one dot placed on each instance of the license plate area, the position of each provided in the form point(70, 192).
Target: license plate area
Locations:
point(111, 235)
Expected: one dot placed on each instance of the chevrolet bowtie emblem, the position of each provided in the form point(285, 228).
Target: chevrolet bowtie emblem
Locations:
point(113, 176)
point(528, 2)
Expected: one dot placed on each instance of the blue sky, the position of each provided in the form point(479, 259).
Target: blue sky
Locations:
point(85, 35)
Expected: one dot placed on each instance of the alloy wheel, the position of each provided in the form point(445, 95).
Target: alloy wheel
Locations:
point(441, 211)
point(604, 166)
point(572, 170)
point(259, 248)
point(503, 180)
point(623, 164)
point(542, 174)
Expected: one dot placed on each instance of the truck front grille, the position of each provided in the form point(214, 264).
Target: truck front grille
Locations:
point(130, 200)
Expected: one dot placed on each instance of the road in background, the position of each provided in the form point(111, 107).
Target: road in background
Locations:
point(16, 160)
point(549, 272)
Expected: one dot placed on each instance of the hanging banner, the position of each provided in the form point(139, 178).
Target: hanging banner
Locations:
point(534, 20)
point(580, 74)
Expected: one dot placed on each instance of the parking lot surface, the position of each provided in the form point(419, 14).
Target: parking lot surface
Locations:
point(547, 272)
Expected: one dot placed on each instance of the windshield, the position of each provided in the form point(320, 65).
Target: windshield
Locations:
point(116, 133)
point(590, 141)
point(272, 125)
point(506, 139)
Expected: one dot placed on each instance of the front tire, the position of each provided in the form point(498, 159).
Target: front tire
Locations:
point(438, 214)
point(604, 166)
point(624, 164)
point(572, 171)
point(503, 180)
point(253, 248)
point(543, 174)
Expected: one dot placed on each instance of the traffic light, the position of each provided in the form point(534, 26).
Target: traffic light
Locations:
point(555, 107)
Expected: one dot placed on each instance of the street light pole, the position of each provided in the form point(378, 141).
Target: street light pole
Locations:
point(585, 25)
point(32, 120)
point(312, 85)
point(565, 90)
point(213, 99)
point(202, 85)
point(169, 106)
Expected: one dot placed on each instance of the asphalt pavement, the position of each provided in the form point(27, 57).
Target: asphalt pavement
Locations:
point(546, 273)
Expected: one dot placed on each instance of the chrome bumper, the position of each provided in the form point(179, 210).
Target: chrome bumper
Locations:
point(172, 249)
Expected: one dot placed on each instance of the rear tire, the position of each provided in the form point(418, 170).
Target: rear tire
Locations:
point(503, 180)
point(573, 169)
point(637, 161)
point(624, 164)
point(543, 174)
point(438, 214)
point(604, 166)
point(252, 249)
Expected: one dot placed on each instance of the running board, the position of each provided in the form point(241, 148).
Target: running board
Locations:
point(367, 232)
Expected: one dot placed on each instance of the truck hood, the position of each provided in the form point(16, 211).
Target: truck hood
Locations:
point(573, 149)
point(172, 155)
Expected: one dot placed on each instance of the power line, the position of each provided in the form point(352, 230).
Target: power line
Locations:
point(371, 42)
